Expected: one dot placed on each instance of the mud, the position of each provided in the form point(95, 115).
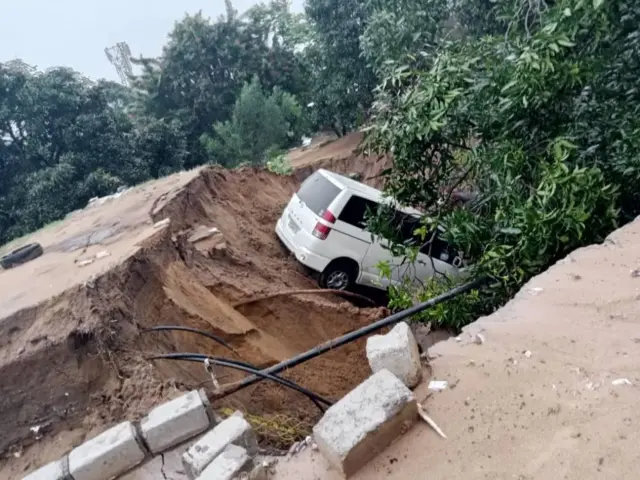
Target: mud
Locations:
point(76, 363)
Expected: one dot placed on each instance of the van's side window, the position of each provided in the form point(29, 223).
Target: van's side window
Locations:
point(436, 247)
point(317, 193)
point(354, 211)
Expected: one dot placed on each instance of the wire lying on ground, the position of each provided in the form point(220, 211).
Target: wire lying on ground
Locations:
point(215, 338)
point(352, 336)
point(245, 367)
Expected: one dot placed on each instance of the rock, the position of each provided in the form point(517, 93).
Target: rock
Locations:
point(398, 352)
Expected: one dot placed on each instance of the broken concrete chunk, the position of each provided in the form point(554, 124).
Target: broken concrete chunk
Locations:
point(232, 461)
point(397, 351)
point(233, 430)
point(365, 421)
point(174, 422)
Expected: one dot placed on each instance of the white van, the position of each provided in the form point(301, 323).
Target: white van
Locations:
point(324, 227)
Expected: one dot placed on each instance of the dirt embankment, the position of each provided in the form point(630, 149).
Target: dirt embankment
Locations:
point(340, 156)
point(76, 363)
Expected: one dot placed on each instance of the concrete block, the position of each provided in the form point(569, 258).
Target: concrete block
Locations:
point(108, 455)
point(232, 461)
point(397, 351)
point(58, 470)
point(233, 430)
point(365, 422)
point(174, 422)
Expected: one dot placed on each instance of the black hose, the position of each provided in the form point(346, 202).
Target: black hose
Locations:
point(192, 330)
point(355, 335)
point(197, 357)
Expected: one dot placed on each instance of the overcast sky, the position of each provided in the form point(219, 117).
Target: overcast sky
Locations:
point(74, 33)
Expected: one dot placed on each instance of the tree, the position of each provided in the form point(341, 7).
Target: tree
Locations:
point(342, 82)
point(398, 30)
point(540, 120)
point(65, 139)
point(258, 123)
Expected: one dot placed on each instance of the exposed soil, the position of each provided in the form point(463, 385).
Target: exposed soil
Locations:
point(340, 156)
point(72, 357)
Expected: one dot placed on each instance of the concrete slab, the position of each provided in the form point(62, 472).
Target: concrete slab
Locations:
point(108, 455)
point(58, 470)
point(365, 422)
point(174, 422)
point(397, 351)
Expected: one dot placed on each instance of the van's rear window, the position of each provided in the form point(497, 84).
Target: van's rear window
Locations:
point(317, 193)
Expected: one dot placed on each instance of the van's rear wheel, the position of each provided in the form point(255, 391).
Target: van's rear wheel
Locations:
point(339, 275)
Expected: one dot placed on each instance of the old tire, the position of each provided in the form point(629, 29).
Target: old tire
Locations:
point(21, 255)
point(339, 275)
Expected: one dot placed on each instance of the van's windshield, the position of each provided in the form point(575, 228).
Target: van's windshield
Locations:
point(317, 193)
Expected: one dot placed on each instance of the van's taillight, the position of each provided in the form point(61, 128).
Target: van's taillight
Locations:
point(321, 230)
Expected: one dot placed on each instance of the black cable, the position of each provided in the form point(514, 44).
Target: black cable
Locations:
point(204, 333)
point(355, 335)
point(197, 357)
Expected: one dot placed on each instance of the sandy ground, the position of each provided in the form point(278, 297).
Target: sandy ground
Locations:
point(116, 226)
point(72, 358)
point(540, 399)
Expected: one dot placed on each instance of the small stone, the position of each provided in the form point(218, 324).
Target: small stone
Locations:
point(102, 254)
point(438, 385)
point(621, 381)
point(480, 339)
point(84, 263)
point(527, 354)
point(162, 223)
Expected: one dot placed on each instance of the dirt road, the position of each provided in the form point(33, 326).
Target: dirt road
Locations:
point(546, 396)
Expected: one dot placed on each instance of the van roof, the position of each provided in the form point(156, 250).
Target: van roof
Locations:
point(363, 190)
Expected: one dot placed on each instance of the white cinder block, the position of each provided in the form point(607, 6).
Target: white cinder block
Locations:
point(397, 351)
point(365, 422)
point(174, 422)
point(58, 470)
point(232, 461)
point(106, 456)
point(233, 430)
